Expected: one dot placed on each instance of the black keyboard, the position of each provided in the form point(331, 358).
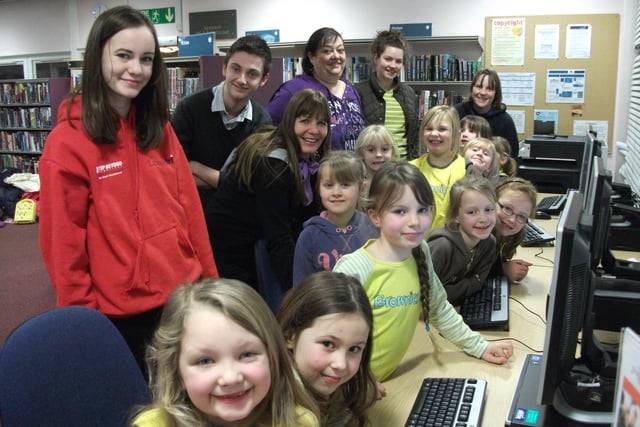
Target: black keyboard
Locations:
point(448, 402)
point(552, 204)
point(489, 307)
point(536, 235)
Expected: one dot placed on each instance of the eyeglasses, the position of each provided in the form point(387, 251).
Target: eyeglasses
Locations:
point(508, 211)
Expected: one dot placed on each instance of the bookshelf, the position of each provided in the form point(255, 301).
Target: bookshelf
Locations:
point(439, 69)
point(207, 70)
point(28, 112)
point(286, 63)
point(461, 48)
point(183, 77)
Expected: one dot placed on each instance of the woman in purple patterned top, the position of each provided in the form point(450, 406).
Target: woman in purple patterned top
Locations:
point(323, 67)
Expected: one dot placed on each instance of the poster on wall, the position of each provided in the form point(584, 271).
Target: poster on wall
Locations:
point(507, 41)
point(518, 117)
point(600, 127)
point(221, 22)
point(518, 88)
point(545, 122)
point(565, 86)
point(578, 41)
point(547, 41)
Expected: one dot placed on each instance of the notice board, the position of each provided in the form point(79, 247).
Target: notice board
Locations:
point(601, 68)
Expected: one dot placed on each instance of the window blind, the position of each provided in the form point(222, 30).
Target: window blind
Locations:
point(630, 170)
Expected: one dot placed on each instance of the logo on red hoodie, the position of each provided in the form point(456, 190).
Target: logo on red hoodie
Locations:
point(108, 170)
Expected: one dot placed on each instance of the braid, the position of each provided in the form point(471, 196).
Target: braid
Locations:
point(423, 276)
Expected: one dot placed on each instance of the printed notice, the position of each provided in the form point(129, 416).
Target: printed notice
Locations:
point(600, 127)
point(626, 412)
point(518, 119)
point(545, 116)
point(578, 41)
point(547, 41)
point(565, 86)
point(518, 88)
point(507, 41)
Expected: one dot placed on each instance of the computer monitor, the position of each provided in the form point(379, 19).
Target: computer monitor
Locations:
point(578, 388)
point(592, 149)
point(597, 210)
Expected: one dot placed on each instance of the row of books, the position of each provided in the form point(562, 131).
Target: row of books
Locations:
point(24, 93)
point(181, 82)
point(27, 164)
point(23, 141)
point(440, 67)
point(431, 98)
point(32, 117)
point(357, 69)
point(291, 67)
point(419, 68)
point(361, 68)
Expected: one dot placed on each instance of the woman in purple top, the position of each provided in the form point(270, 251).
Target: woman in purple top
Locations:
point(323, 65)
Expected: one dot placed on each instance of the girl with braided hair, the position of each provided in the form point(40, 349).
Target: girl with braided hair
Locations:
point(397, 273)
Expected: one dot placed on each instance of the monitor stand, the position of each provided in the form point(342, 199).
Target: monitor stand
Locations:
point(586, 398)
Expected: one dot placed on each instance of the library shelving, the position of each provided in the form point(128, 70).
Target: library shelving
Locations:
point(28, 112)
point(206, 71)
point(453, 60)
point(183, 77)
point(438, 52)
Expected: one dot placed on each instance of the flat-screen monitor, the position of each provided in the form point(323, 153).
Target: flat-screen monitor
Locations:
point(580, 388)
point(592, 150)
point(597, 210)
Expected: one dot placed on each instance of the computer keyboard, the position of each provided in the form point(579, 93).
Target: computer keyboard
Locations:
point(536, 235)
point(552, 204)
point(448, 402)
point(489, 307)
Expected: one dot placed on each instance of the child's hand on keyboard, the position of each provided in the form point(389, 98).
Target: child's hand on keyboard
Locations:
point(498, 352)
point(516, 269)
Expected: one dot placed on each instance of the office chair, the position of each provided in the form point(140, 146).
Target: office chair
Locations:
point(68, 367)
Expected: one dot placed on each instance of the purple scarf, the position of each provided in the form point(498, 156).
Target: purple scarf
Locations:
point(306, 170)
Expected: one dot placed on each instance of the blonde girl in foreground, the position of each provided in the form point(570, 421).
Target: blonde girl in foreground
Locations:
point(218, 359)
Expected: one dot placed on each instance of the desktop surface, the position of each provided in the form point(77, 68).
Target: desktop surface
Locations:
point(422, 360)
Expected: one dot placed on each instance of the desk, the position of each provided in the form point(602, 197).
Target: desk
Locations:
point(421, 360)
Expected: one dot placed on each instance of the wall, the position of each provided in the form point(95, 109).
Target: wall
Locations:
point(40, 28)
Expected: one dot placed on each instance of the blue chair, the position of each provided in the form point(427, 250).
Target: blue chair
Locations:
point(68, 367)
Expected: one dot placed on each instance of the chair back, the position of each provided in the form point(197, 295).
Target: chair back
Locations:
point(68, 367)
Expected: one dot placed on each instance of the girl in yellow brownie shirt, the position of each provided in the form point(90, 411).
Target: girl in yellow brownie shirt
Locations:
point(397, 273)
point(442, 165)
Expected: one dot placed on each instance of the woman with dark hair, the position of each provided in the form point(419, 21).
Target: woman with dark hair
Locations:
point(385, 99)
point(485, 100)
point(265, 191)
point(120, 218)
point(323, 66)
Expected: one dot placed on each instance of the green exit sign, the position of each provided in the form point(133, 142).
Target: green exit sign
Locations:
point(161, 15)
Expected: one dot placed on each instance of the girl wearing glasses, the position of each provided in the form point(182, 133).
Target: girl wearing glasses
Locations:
point(515, 203)
point(464, 250)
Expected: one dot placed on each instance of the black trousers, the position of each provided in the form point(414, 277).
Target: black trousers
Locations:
point(138, 332)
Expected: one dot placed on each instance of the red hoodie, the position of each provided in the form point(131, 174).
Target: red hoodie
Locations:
point(120, 227)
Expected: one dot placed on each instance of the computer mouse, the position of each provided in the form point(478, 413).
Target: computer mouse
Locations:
point(542, 215)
